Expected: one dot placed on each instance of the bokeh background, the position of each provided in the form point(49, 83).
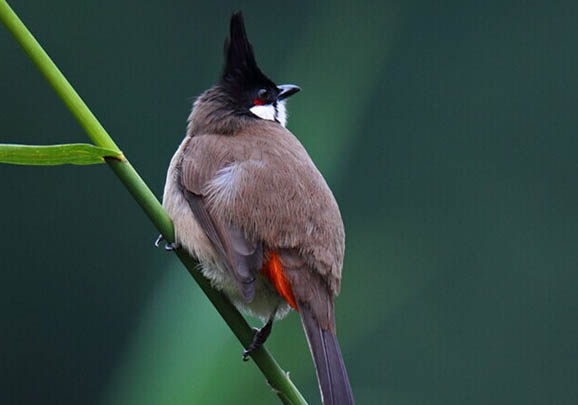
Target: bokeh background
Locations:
point(448, 132)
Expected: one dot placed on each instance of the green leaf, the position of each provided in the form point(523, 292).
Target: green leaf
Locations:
point(52, 155)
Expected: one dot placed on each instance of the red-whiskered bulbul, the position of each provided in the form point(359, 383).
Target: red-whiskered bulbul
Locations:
point(247, 201)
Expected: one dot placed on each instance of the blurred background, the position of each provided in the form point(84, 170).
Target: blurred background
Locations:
point(447, 130)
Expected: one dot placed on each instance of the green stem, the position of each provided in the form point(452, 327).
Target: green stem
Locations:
point(278, 379)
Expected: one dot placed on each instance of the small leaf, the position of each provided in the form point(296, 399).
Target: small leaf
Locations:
point(53, 155)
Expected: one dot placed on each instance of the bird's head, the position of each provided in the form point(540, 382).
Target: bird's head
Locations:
point(249, 91)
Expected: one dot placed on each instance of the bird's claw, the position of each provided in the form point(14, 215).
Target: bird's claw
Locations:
point(259, 338)
point(169, 247)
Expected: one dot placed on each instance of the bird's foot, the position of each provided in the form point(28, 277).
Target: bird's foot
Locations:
point(169, 247)
point(259, 338)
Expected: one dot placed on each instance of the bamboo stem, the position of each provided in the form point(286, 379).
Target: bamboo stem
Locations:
point(276, 377)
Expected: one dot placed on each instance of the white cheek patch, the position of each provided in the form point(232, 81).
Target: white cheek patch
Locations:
point(282, 113)
point(266, 112)
point(272, 112)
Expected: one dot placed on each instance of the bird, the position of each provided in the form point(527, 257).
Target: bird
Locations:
point(250, 205)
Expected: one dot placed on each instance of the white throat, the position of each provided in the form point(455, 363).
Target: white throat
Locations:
point(272, 112)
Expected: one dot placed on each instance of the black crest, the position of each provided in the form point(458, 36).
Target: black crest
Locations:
point(240, 65)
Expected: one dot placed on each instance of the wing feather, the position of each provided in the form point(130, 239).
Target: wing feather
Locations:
point(241, 257)
point(262, 181)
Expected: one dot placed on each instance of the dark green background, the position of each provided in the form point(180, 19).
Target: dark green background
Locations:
point(448, 132)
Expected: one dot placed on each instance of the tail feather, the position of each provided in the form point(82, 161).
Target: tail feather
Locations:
point(331, 373)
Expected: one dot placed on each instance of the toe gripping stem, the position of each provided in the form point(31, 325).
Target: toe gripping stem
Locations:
point(259, 337)
point(169, 247)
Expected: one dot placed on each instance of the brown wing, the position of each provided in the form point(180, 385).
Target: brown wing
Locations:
point(241, 257)
point(262, 181)
point(279, 198)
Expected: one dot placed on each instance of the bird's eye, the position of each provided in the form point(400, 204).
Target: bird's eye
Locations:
point(262, 96)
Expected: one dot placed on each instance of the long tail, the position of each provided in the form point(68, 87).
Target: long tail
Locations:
point(331, 372)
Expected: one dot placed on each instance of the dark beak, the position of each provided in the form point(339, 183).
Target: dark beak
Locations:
point(286, 90)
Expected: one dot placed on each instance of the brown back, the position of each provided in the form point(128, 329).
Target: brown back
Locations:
point(262, 181)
